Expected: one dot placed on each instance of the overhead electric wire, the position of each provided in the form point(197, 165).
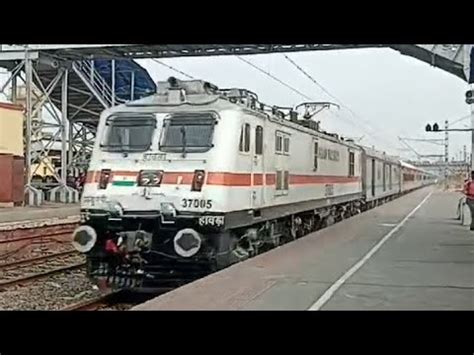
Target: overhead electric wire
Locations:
point(449, 124)
point(288, 86)
point(367, 124)
point(409, 147)
point(285, 84)
point(459, 120)
point(274, 78)
point(249, 63)
point(326, 91)
point(314, 81)
point(300, 93)
point(173, 68)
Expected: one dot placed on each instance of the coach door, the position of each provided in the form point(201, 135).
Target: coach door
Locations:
point(399, 172)
point(282, 157)
point(258, 171)
point(373, 178)
point(363, 165)
point(245, 164)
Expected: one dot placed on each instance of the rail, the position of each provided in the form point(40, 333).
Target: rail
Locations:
point(94, 304)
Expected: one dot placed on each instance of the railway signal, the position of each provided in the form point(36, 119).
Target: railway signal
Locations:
point(470, 97)
point(434, 129)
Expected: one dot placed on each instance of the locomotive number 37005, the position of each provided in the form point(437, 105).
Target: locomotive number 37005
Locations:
point(196, 203)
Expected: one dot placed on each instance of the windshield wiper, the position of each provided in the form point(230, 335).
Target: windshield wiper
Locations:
point(124, 148)
point(112, 145)
point(183, 134)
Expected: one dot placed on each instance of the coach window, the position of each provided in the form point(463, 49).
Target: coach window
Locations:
point(384, 180)
point(351, 164)
point(286, 145)
point(282, 143)
point(279, 180)
point(286, 180)
point(282, 182)
point(244, 144)
point(259, 140)
point(278, 143)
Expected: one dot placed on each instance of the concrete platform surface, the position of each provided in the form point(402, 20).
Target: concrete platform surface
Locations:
point(48, 210)
point(409, 254)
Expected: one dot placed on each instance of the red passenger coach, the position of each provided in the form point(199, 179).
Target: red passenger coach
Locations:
point(414, 178)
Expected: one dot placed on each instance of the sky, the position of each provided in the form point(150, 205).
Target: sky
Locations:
point(383, 94)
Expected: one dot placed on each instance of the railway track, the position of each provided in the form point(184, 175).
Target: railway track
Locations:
point(36, 233)
point(24, 271)
point(36, 259)
point(116, 300)
point(93, 304)
point(18, 243)
point(38, 270)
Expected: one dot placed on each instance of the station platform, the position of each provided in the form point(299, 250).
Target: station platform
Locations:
point(409, 254)
point(46, 211)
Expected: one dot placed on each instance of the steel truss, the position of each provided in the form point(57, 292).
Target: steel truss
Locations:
point(448, 57)
point(74, 95)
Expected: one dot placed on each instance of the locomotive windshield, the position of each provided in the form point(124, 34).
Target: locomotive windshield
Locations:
point(188, 133)
point(131, 133)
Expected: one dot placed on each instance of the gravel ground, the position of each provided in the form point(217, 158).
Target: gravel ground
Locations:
point(50, 293)
point(19, 271)
point(32, 251)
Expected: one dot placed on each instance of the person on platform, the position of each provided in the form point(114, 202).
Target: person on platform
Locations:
point(80, 182)
point(469, 192)
point(462, 200)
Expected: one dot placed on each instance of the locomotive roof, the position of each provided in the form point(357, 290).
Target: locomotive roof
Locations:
point(406, 165)
point(378, 154)
point(195, 94)
point(409, 166)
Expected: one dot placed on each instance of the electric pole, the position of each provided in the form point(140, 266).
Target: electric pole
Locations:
point(446, 153)
point(470, 101)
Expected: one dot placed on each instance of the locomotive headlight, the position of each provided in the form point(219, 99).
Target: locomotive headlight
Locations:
point(84, 239)
point(187, 242)
point(167, 208)
point(198, 180)
point(115, 208)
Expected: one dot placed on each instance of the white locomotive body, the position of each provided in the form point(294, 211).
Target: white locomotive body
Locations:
point(198, 177)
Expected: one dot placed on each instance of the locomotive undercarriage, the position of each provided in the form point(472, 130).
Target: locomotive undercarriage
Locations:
point(141, 254)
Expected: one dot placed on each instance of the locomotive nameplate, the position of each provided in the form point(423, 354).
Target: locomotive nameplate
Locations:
point(154, 156)
point(217, 221)
point(196, 203)
point(328, 154)
point(93, 201)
